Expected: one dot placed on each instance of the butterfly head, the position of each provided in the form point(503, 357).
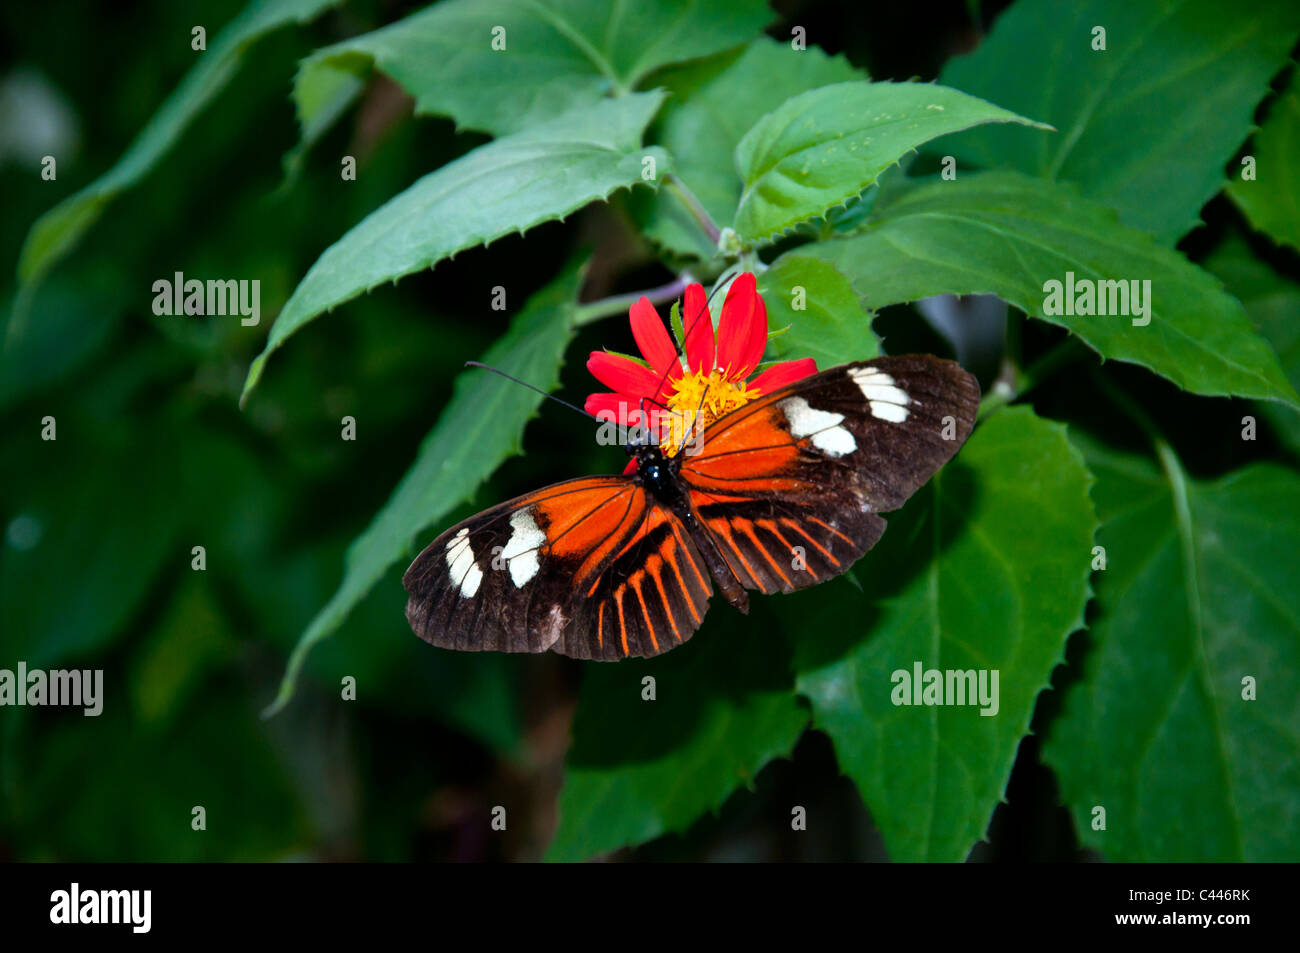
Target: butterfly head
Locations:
point(654, 469)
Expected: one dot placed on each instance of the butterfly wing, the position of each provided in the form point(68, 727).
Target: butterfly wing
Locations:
point(788, 488)
point(592, 568)
point(648, 598)
point(790, 484)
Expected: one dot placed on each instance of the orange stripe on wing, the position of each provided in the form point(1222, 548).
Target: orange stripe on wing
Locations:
point(747, 528)
point(771, 527)
point(723, 529)
point(677, 532)
point(645, 610)
point(760, 460)
point(670, 556)
point(654, 565)
point(711, 497)
point(755, 484)
point(813, 519)
point(622, 625)
point(656, 517)
point(816, 545)
point(609, 539)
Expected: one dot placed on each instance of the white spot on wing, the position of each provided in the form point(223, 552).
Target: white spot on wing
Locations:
point(893, 413)
point(461, 564)
point(886, 399)
point(521, 550)
point(822, 425)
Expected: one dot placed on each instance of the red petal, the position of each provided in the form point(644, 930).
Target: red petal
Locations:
point(778, 375)
point(742, 332)
point(612, 406)
point(697, 325)
point(623, 375)
point(653, 339)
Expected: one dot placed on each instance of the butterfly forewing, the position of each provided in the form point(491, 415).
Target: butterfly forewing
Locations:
point(790, 484)
point(593, 568)
point(492, 582)
point(878, 429)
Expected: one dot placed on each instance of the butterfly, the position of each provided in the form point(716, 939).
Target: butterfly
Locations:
point(780, 494)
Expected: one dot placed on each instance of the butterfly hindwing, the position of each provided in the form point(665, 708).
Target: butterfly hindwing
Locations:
point(790, 484)
point(773, 545)
point(650, 598)
point(592, 568)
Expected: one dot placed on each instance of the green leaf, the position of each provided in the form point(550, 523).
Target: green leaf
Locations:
point(830, 327)
point(1008, 234)
point(1272, 200)
point(702, 126)
point(559, 55)
point(481, 426)
point(321, 95)
point(55, 232)
point(986, 568)
point(1198, 594)
point(1147, 125)
point(723, 708)
point(505, 186)
point(675, 318)
point(823, 147)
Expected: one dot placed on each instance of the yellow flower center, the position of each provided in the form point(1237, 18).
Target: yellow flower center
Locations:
point(698, 400)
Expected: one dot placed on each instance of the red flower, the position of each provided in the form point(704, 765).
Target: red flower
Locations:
point(713, 380)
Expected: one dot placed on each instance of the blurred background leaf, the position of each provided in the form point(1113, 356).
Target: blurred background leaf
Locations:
point(59, 229)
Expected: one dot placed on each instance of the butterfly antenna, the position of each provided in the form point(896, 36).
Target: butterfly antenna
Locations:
point(489, 367)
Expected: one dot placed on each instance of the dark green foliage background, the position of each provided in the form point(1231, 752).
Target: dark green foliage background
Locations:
point(155, 455)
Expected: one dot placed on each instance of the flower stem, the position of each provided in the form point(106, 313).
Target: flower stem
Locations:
point(618, 304)
point(694, 206)
point(1004, 393)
